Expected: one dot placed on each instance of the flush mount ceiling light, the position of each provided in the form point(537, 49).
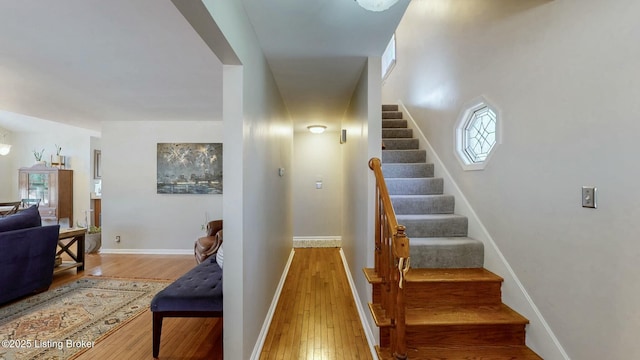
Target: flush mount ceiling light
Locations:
point(4, 148)
point(376, 5)
point(317, 129)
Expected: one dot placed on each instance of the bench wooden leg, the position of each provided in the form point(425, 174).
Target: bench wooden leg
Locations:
point(157, 331)
point(159, 315)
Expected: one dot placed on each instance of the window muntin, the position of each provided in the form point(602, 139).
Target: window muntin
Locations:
point(480, 134)
point(477, 134)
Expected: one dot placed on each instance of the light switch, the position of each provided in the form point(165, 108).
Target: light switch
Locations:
point(589, 197)
point(318, 185)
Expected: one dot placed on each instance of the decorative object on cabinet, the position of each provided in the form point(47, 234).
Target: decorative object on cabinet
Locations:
point(38, 156)
point(189, 168)
point(58, 160)
point(53, 187)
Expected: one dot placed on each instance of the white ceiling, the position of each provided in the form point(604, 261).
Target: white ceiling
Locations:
point(81, 62)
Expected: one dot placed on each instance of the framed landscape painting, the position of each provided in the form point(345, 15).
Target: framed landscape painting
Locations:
point(189, 168)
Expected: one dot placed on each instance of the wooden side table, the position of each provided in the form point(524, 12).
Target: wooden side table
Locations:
point(66, 239)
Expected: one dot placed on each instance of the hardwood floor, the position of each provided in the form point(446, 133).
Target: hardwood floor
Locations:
point(182, 338)
point(316, 316)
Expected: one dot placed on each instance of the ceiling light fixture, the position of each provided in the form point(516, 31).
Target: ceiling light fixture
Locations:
point(317, 129)
point(4, 148)
point(376, 5)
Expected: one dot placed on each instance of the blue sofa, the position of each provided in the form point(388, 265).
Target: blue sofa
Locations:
point(27, 254)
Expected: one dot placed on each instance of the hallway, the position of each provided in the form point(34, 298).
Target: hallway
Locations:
point(316, 316)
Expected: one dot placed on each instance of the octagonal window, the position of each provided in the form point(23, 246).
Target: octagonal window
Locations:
point(477, 134)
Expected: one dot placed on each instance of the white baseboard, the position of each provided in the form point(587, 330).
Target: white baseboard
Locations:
point(257, 349)
point(371, 339)
point(147, 251)
point(317, 241)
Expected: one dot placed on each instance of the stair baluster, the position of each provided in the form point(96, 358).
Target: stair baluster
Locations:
point(391, 262)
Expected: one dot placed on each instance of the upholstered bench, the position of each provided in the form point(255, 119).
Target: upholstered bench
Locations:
point(197, 293)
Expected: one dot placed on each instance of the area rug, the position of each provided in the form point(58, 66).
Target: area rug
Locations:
point(72, 318)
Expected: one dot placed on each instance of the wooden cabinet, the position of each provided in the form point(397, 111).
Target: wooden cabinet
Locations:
point(52, 187)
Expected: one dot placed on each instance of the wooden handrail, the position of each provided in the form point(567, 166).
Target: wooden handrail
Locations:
point(392, 261)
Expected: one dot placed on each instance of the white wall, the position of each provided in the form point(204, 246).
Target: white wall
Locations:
point(131, 208)
point(75, 146)
point(564, 74)
point(364, 139)
point(260, 242)
point(317, 213)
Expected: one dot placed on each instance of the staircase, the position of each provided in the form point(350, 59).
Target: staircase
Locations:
point(438, 236)
point(453, 305)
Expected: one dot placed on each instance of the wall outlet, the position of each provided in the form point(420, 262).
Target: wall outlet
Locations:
point(589, 197)
point(117, 238)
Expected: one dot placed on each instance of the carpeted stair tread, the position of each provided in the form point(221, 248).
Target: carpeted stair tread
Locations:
point(513, 352)
point(390, 107)
point(423, 204)
point(419, 170)
point(392, 114)
point(404, 156)
point(438, 236)
point(397, 133)
point(394, 123)
point(446, 252)
point(401, 144)
point(415, 186)
point(434, 225)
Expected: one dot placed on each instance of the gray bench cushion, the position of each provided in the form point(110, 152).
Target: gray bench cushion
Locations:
point(198, 290)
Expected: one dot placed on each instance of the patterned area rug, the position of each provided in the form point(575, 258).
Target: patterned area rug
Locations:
point(67, 320)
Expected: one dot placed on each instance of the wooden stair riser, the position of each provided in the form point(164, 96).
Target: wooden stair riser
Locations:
point(464, 353)
point(430, 295)
point(465, 335)
point(460, 335)
point(376, 296)
point(421, 295)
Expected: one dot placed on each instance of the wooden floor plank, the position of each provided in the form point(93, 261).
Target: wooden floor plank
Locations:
point(316, 317)
point(193, 338)
point(317, 302)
